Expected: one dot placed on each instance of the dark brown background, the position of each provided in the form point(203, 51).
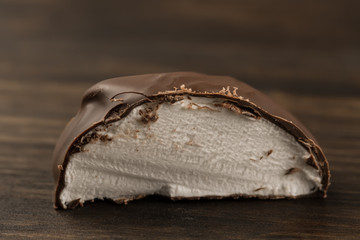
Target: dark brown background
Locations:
point(304, 54)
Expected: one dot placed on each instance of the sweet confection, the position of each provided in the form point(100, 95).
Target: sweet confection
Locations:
point(185, 136)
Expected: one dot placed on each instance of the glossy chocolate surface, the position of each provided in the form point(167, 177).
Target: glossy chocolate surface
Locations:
point(112, 99)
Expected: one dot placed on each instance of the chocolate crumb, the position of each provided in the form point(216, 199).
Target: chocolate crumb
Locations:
point(258, 189)
point(105, 138)
point(234, 91)
point(292, 170)
point(149, 114)
point(172, 98)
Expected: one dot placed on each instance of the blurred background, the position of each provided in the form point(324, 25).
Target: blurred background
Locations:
point(304, 54)
point(269, 44)
point(295, 51)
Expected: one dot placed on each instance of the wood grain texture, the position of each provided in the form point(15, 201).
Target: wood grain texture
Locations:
point(304, 54)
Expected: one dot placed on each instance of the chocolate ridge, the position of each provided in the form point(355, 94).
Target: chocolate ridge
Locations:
point(111, 100)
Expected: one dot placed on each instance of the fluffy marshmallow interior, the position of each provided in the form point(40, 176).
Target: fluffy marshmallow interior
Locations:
point(193, 149)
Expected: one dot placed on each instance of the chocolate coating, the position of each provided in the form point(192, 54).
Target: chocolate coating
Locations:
point(110, 100)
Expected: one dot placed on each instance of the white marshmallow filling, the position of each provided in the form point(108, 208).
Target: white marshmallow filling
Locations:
point(191, 148)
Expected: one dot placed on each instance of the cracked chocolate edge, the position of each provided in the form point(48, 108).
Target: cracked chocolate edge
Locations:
point(115, 103)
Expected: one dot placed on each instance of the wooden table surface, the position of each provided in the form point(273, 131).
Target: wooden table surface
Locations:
point(304, 54)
